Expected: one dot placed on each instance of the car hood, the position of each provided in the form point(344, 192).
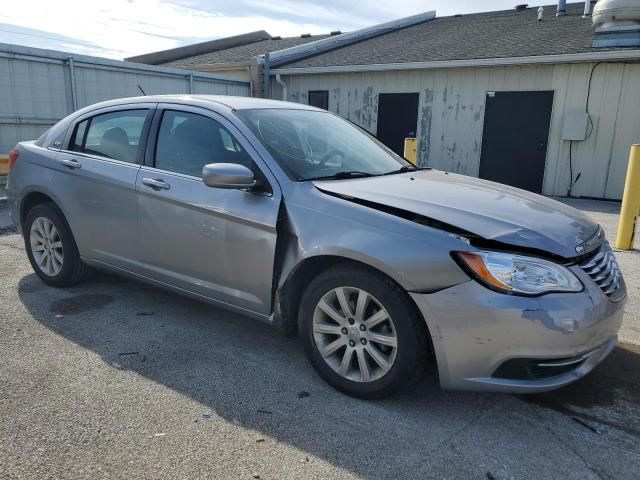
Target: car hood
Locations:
point(487, 209)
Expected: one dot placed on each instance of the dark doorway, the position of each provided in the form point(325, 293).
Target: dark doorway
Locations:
point(514, 143)
point(319, 98)
point(397, 119)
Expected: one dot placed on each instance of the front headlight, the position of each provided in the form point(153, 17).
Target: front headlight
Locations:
point(518, 274)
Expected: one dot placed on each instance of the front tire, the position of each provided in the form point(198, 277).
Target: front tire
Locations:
point(361, 333)
point(51, 247)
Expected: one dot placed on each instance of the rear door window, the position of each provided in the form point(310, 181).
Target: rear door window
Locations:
point(114, 135)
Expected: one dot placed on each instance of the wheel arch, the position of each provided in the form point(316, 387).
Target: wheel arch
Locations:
point(32, 199)
point(38, 197)
point(290, 293)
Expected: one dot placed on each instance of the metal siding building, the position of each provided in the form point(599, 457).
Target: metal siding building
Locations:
point(501, 95)
point(36, 87)
point(451, 114)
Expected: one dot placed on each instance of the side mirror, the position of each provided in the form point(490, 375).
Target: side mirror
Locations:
point(227, 175)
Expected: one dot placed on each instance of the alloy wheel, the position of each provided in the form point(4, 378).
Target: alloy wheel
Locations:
point(46, 246)
point(354, 334)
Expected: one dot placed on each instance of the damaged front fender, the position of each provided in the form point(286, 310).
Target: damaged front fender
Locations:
point(315, 225)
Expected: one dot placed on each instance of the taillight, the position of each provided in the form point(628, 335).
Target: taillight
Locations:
point(13, 156)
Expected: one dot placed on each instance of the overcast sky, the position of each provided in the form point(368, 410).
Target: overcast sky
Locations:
point(121, 28)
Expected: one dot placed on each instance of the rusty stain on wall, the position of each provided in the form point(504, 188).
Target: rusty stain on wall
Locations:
point(367, 108)
point(424, 129)
point(356, 111)
point(335, 99)
point(361, 107)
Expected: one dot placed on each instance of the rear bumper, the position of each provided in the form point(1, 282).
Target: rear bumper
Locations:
point(489, 341)
point(14, 207)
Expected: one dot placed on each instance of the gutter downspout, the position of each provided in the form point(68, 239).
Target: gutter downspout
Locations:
point(265, 86)
point(283, 85)
point(248, 69)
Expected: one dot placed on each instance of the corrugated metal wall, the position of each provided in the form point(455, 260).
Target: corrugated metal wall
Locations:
point(451, 114)
point(36, 89)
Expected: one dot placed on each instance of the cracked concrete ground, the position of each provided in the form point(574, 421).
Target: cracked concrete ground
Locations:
point(114, 379)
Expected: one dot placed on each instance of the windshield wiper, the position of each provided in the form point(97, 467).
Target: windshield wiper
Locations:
point(344, 175)
point(402, 170)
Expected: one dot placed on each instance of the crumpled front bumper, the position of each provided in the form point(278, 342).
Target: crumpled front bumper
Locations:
point(476, 331)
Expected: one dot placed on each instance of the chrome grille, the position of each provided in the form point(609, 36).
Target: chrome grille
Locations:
point(603, 270)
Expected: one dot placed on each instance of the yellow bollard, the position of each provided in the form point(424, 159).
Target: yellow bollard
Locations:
point(4, 164)
point(630, 202)
point(4, 170)
point(411, 150)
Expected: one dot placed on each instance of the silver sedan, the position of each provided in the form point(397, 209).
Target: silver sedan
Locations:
point(293, 216)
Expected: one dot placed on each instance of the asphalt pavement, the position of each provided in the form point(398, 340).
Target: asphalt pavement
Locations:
point(115, 379)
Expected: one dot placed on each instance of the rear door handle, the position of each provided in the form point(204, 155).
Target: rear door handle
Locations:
point(70, 163)
point(156, 184)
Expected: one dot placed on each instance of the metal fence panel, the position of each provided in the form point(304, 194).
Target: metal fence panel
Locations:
point(39, 87)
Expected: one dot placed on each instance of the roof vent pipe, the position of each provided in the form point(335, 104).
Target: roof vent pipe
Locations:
point(562, 8)
point(587, 9)
point(617, 23)
point(540, 13)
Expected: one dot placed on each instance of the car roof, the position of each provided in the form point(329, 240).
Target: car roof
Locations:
point(234, 103)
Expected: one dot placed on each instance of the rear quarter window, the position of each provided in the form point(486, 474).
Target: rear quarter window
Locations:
point(77, 140)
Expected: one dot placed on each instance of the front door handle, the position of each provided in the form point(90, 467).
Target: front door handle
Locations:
point(70, 163)
point(156, 184)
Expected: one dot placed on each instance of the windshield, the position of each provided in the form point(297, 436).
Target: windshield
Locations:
point(313, 145)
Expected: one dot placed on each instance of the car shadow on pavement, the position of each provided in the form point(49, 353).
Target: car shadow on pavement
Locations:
point(251, 375)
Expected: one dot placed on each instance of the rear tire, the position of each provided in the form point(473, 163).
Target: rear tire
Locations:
point(51, 248)
point(380, 330)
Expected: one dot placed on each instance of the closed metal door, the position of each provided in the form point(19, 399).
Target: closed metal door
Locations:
point(213, 242)
point(516, 134)
point(397, 119)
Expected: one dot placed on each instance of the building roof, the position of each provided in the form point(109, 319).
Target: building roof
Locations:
point(244, 53)
point(165, 56)
point(502, 34)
